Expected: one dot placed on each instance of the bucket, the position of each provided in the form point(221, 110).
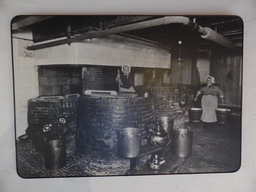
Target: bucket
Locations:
point(129, 142)
point(167, 124)
point(222, 115)
point(54, 154)
point(195, 114)
point(182, 143)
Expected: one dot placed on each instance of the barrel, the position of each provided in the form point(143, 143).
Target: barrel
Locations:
point(195, 114)
point(222, 115)
point(54, 154)
point(182, 142)
point(129, 142)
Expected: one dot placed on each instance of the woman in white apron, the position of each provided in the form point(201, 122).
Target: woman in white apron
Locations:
point(209, 101)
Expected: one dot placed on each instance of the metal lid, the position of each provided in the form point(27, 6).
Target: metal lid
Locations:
point(182, 131)
point(223, 109)
point(195, 109)
point(129, 131)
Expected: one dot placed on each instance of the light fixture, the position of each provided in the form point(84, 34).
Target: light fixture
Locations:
point(179, 59)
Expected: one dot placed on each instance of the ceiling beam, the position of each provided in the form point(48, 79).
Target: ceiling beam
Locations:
point(223, 22)
point(116, 30)
point(207, 33)
point(124, 20)
point(28, 20)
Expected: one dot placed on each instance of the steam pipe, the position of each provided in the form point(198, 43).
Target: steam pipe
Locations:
point(211, 35)
point(141, 25)
point(207, 32)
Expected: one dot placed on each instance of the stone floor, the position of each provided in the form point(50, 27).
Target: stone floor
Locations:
point(216, 149)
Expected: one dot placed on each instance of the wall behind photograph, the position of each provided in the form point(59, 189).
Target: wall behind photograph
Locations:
point(242, 180)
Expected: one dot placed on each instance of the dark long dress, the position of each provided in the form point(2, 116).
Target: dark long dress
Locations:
point(127, 82)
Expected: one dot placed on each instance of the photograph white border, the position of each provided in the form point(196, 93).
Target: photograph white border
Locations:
point(243, 180)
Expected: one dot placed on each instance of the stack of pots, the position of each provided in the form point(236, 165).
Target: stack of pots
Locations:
point(160, 131)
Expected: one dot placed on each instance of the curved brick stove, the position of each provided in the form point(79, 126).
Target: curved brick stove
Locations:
point(99, 120)
point(49, 109)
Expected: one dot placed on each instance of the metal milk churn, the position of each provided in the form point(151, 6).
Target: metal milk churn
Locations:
point(54, 154)
point(129, 142)
point(182, 142)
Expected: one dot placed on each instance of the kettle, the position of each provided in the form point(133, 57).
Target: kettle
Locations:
point(157, 135)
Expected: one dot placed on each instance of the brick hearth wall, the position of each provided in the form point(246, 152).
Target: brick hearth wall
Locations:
point(59, 81)
point(92, 78)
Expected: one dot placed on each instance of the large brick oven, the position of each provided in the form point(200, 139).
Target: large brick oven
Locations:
point(100, 119)
point(57, 111)
point(92, 121)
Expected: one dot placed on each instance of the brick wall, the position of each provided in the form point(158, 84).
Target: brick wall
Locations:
point(100, 119)
point(59, 80)
point(92, 78)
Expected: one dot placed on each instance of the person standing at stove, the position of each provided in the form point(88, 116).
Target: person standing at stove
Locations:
point(209, 102)
point(125, 79)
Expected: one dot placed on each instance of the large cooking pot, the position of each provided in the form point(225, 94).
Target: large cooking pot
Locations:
point(222, 115)
point(195, 114)
point(54, 154)
point(182, 142)
point(129, 142)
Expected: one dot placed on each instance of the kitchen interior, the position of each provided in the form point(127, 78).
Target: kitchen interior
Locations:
point(72, 120)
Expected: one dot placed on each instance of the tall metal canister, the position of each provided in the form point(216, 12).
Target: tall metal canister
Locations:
point(129, 142)
point(54, 154)
point(182, 142)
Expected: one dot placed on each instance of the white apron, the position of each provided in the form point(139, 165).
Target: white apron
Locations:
point(209, 106)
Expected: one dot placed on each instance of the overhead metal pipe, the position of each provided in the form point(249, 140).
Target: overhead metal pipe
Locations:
point(94, 34)
point(209, 34)
point(141, 25)
point(213, 36)
point(136, 26)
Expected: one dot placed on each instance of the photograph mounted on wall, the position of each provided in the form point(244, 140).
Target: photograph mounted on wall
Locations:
point(126, 95)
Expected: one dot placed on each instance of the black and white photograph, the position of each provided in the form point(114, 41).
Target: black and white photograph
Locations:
point(127, 95)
